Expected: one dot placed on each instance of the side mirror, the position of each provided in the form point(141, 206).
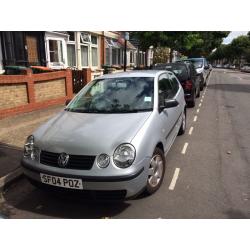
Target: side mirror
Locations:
point(67, 101)
point(206, 67)
point(169, 103)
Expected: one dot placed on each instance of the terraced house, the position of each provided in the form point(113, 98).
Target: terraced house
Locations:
point(75, 49)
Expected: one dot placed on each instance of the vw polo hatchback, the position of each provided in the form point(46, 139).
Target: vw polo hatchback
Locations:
point(112, 138)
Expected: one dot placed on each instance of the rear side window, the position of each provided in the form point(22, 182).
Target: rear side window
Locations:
point(165, 88)
point(175, 84)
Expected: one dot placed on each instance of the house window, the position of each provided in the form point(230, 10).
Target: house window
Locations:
point(94, 56)
point(71, 36)
point(108, 61)
point(94, 39)
point(84, 55)
point(55, 51)
point(131, 57)
point(85, 37)
point(114, 56)
point(71, 55)
point(89, 49)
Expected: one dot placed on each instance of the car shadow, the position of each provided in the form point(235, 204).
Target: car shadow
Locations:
point(36, 203)
point(244, 88)
point(235, 214)
point(10, 157)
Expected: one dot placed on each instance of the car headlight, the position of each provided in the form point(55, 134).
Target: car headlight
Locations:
point(124, 155)
point(30, 151)
point(103, 161)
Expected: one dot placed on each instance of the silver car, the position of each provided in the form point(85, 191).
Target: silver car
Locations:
point(112, 138)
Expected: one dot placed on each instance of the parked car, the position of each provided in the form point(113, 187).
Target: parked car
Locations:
point(112, 138)
point(232, 67)
point(186, 74)
point(218, 66)
point(245, 67)
point(201, 67)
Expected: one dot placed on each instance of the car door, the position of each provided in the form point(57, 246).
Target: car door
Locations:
point(167, 117)
point(194, 77)
point(177, 93)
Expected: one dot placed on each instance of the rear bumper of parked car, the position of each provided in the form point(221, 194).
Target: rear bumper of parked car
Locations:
point(189, 96)
point(127, 185)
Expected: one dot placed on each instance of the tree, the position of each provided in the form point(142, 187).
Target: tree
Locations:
point(189, 43)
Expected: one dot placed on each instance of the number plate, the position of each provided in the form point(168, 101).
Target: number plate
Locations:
point(61, 181)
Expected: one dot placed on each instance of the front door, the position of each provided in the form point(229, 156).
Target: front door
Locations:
point(32, 49)
point(167, 116)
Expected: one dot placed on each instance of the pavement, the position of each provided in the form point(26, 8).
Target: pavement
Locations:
point(13, 133)
point(207, 174)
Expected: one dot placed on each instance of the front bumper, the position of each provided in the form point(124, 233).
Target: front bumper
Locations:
point(132, 183)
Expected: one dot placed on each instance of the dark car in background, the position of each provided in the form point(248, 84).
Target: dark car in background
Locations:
point(202, 69)
point(187, 76)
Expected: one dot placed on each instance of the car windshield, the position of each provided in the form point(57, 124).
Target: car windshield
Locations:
point(198, 63)
point(115, 95)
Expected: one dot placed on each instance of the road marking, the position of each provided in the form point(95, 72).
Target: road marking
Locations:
point(174, 179)
point(184, 148)
point(191, 130)
point(195, 118)
point(240, 78)
point(200, 105)
point(198, 110)
point(201, 100)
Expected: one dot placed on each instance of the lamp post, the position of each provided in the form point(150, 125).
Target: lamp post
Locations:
point(126, 38)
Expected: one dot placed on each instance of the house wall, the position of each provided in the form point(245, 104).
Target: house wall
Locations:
point(25, 93)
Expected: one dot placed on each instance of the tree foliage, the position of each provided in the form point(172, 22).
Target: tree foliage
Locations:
point(189, 43)
point(237, 50)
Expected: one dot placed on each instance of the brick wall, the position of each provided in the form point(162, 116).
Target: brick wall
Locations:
point(13, 95)
point(24, 93)
point(51, 89)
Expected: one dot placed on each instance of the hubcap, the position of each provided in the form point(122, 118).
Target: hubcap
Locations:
point(155, 170)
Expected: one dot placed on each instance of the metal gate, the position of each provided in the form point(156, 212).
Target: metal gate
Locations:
point(78, 80)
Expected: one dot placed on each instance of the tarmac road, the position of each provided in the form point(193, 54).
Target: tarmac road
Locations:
point(207, 174)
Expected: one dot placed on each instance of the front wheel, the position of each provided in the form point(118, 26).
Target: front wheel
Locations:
point(156, 171)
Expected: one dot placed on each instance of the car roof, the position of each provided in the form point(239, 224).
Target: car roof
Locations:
point(134, 73)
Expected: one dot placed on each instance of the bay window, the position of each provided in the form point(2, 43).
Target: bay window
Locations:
point(89, 49)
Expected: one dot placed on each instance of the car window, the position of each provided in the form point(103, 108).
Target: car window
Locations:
point(165, 88)
point(175, 84)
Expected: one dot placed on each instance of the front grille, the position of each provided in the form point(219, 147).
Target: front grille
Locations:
point(83, 162)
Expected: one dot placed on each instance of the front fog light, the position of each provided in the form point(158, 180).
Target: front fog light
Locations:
point(124, 155)
point(103, 161)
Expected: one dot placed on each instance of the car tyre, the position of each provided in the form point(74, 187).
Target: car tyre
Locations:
point(191, 103)
point(199, 93)
point(156, 171)
point(183, 124)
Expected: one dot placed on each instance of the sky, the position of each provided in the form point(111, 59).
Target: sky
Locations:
point(232, 35)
